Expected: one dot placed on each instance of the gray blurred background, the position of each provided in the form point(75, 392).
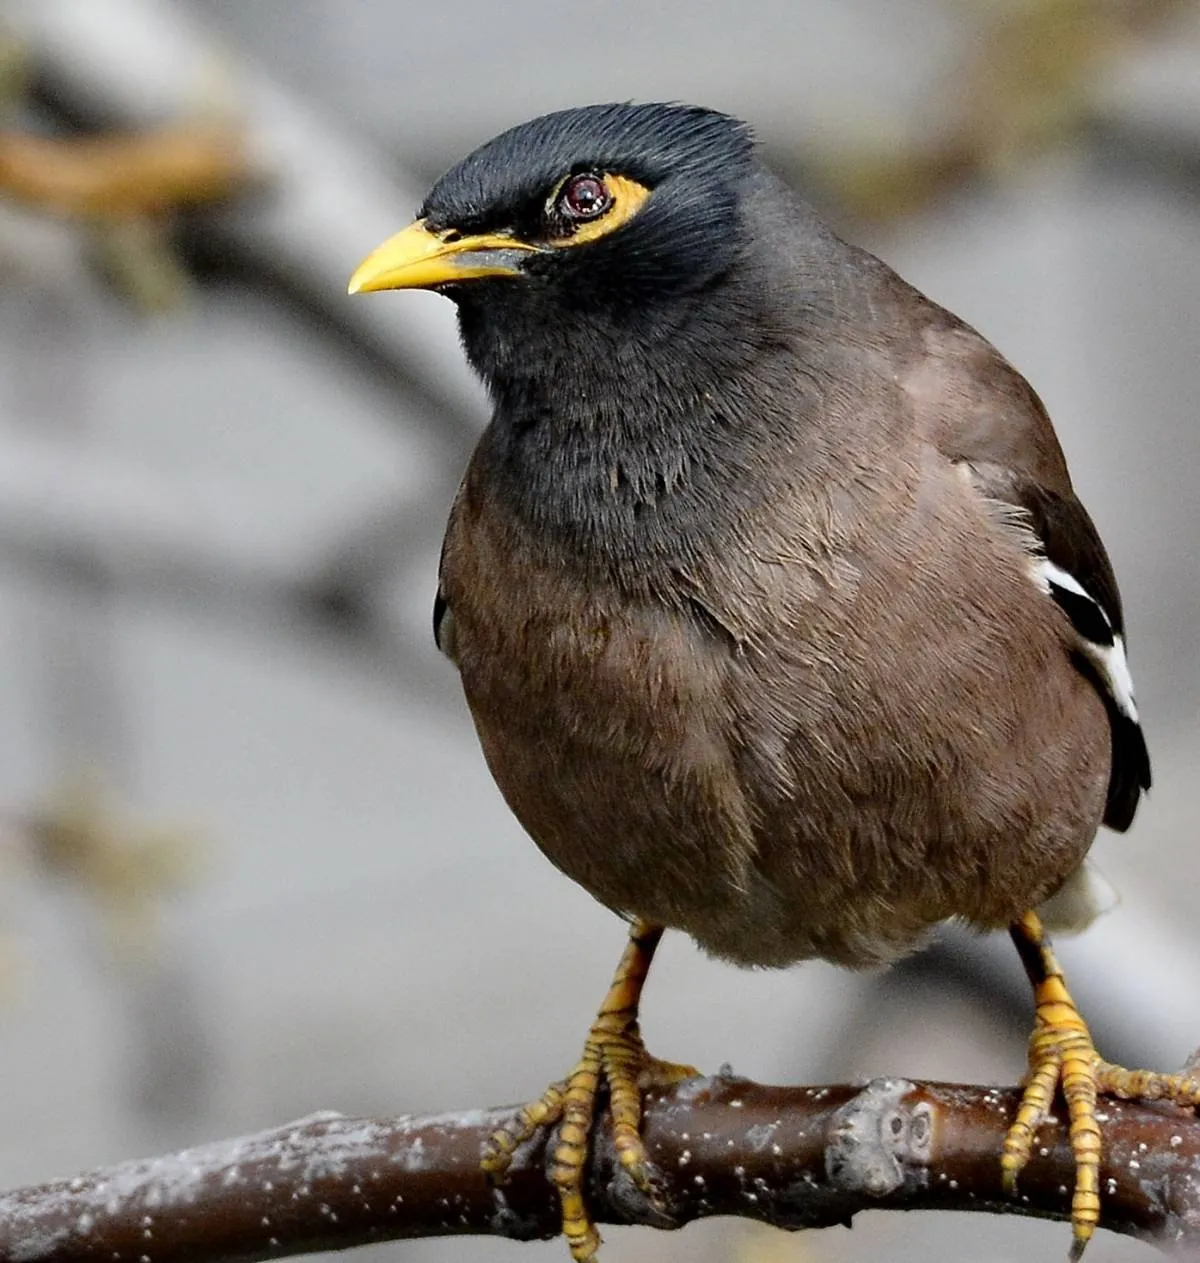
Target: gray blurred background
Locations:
point(253, 864)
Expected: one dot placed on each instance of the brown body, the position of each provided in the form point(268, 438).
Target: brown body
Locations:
point(855, 715)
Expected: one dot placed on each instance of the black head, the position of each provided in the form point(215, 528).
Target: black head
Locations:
point(641, 197)
point(596, 211)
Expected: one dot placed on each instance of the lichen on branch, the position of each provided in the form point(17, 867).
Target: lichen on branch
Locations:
point(794, 1157)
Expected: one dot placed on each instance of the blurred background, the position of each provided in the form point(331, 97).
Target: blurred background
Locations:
point(252, 863)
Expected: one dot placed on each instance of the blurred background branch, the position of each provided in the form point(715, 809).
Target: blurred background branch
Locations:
point(1032, 81)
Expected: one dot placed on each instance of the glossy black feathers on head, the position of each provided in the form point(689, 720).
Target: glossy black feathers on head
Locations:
point(497, 185)
point(694, 162)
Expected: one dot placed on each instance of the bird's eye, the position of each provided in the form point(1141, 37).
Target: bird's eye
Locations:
point(590, 205)
point(583, 197)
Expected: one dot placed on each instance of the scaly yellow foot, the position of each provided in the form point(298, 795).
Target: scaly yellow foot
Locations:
point(1061, 1052)
point(613, 1054)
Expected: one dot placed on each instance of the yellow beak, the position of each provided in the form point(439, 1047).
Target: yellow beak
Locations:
point(420, 259)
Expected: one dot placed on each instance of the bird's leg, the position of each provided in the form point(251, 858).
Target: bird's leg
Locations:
point(615, 1055)
point(1061, 1052)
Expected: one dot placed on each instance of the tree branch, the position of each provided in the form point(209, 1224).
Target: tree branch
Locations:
point(793, 1157)
point(117, 176)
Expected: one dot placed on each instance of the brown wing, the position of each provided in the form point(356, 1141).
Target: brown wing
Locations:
point(983, 413)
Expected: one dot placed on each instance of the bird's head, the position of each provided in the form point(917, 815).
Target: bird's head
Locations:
point(600, 218)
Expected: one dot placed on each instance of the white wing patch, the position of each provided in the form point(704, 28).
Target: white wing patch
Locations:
point(1108, 658)
point(1112, 664)
point(1064, 579)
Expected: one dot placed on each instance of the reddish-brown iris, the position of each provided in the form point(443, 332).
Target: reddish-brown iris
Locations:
point(584, 197)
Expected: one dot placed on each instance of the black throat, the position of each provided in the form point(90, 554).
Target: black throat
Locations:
point(632, 440)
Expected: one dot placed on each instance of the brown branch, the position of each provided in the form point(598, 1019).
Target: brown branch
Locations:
point(118, 177)
point(1028, 82)
point(793, 1157)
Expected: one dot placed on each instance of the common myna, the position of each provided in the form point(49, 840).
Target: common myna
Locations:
point(776, 612)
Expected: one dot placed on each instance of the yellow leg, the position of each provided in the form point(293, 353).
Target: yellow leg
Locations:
point(1061, 1052)
point(613, 1054)
point(1148, 1085)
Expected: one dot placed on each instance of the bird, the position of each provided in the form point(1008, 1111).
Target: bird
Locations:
point(773, 604)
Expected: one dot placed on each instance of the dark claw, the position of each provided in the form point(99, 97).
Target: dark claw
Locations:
point(640, 1195)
